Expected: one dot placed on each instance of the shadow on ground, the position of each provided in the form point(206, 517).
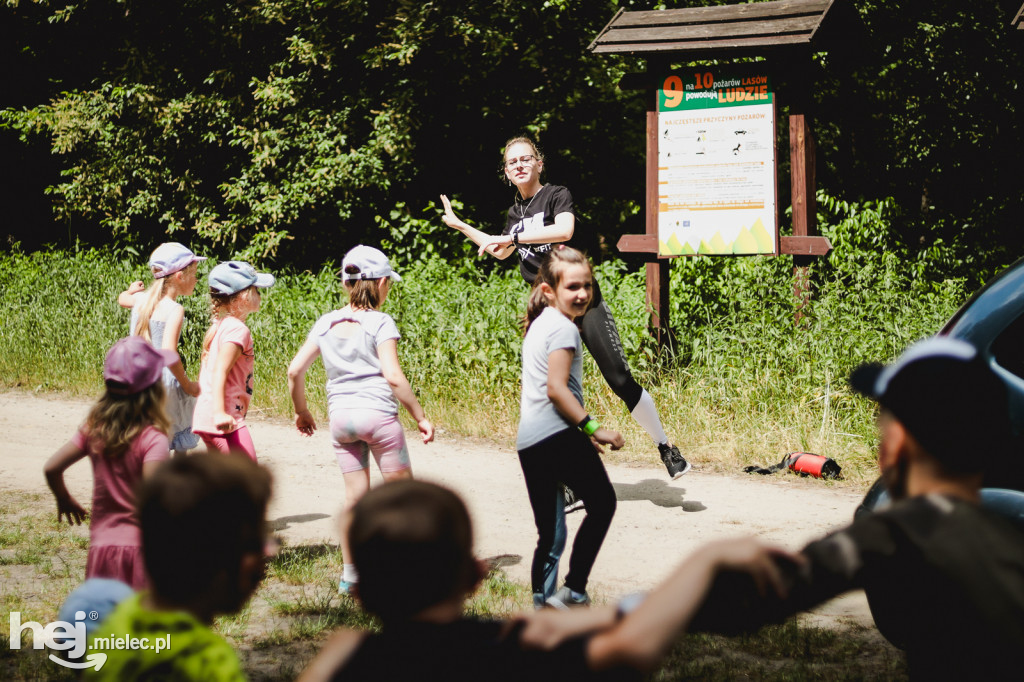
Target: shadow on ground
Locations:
point(657, 491)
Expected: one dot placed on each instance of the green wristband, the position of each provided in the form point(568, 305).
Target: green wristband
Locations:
point(591, 426)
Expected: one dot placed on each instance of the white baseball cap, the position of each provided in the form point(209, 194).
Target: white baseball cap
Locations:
point(369, 263)
point(171, 257)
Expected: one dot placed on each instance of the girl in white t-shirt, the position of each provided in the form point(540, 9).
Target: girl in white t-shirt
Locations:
point(158, 317)
point(558, 442)
point(365, 383)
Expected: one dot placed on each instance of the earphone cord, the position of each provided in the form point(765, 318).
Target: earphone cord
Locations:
point(522, 211)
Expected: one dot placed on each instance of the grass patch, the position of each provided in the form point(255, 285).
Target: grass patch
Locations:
point(283, 626)
point(784, 652)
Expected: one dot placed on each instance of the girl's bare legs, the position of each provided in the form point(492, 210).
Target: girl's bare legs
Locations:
point(356, 485)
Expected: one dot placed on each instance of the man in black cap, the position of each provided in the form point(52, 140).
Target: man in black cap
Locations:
point(944, 577)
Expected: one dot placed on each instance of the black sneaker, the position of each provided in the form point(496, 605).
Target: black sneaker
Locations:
point(572, 503)
point(674, 462)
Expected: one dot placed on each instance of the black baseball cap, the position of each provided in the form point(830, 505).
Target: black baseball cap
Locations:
point(946, 395)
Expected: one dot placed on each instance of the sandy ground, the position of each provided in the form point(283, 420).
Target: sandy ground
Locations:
point(657, 523)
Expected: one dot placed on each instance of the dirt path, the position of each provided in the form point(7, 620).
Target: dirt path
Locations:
point(657, 522)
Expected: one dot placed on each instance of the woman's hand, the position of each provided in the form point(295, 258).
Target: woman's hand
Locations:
point(495, 245)
point(305, 423)
point(605, 436)
point(449, 217)
point(426, 430)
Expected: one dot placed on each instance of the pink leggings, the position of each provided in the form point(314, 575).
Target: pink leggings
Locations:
point(236, 441)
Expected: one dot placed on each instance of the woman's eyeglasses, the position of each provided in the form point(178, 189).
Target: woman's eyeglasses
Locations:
point(526, 160)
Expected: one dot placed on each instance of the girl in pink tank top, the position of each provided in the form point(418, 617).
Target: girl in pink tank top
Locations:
point(226, 373)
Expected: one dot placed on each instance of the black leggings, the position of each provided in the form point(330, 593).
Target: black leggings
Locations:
point(601, 337)
point(570, 458)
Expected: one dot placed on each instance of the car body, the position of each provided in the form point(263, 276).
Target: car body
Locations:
point(992, 320)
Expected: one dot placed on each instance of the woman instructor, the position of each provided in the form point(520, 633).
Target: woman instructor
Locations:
point(541, 216)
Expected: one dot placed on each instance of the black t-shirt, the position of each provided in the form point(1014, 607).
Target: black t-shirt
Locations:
point(468, 650)
point(538, 211)
point(944, 579)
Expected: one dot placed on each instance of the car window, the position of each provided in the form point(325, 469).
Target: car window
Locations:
point(1008, 348)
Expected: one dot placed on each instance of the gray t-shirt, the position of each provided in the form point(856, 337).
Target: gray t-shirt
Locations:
point(354, 378)
point(538, 418)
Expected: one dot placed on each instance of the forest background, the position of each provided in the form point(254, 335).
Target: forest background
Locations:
point(286, 131)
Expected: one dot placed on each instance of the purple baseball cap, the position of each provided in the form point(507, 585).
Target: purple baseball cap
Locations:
point(133, 365)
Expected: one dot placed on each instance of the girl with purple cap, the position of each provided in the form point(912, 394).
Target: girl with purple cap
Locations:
point(226, 372)
point(365, 383)
point(125, 437)
point(158, 317)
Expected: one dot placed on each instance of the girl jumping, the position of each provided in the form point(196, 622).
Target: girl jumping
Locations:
point(365, 383)
point(557, 440)
point(125, 438)
point(541, 216)
point(158, 317)
point(226, 372)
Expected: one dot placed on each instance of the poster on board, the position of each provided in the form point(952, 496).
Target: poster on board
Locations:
point(716, 163)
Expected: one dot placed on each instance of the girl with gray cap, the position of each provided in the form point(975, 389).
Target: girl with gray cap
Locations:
point(365, 383)
point(228, 360)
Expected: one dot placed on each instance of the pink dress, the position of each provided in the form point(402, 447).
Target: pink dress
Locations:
point(115, 541)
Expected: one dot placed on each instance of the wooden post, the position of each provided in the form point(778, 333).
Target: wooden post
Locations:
point(805, 208)
point(657, 269)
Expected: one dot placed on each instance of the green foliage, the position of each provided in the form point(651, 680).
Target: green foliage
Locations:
point(741, 383)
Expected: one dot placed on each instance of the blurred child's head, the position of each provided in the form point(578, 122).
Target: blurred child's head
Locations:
point(366, 275)
point(412, 544)
point(134, 398)
point(553, 267)
point(203, 527)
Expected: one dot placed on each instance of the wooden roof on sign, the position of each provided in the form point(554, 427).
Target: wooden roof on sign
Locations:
point(715, 31)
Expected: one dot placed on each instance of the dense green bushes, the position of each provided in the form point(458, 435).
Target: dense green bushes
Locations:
point(741, 383)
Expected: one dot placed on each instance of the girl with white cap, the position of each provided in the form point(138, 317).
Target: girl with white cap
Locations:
point(158, 317)
point(125, 437)
point(228, 360)
point(365, 383)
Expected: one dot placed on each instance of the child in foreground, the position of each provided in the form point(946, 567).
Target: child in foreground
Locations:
point(226, 373)
point(425, 635)
point(158, 317)
point(125, 438)
point(203, 529)
point(365, 383)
